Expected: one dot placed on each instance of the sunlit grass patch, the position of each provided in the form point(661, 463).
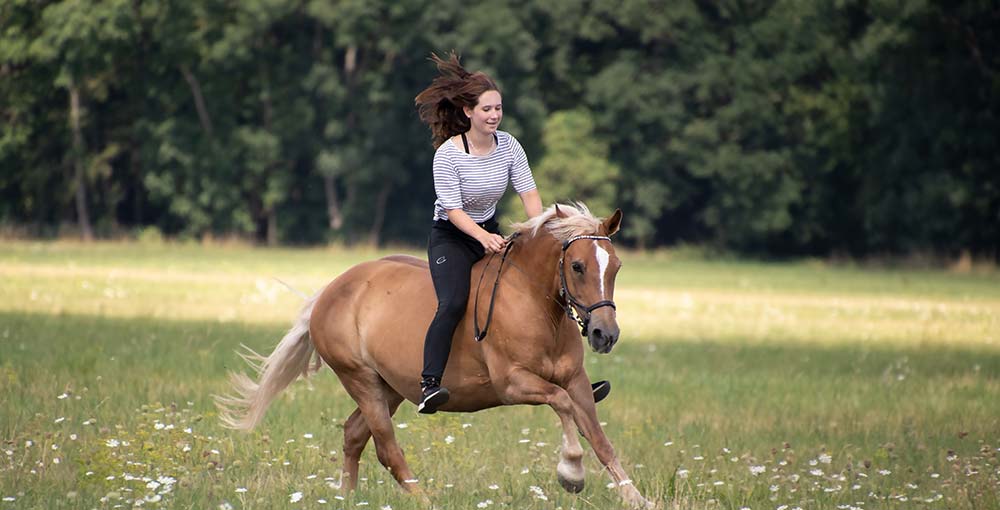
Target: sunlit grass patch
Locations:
point(760, 396)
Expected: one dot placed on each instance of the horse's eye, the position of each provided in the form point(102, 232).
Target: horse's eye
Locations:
point(578, 267)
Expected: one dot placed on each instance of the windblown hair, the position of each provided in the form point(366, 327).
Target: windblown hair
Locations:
point(440, 105)
point(579, 221)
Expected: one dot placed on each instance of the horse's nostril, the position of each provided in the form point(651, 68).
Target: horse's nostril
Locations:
point(597, 333)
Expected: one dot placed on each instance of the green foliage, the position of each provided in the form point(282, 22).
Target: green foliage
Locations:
point(778, 128)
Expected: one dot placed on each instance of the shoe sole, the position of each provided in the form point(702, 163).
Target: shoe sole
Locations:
point(601, 390)
point(431, 404)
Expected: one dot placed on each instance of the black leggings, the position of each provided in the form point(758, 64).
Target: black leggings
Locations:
point(451, 254)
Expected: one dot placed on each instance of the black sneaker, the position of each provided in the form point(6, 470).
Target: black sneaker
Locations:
point(601, 390)
point(434, 396)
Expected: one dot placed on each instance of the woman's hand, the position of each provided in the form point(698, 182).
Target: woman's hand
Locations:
point(493, 243)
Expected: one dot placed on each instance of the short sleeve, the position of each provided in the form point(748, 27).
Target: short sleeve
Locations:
point(447, 184)
point(520, 172)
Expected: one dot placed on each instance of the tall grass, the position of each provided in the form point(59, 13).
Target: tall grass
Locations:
point(736, 385)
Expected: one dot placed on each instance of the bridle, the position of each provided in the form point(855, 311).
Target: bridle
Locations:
point(571, 303)
point(582, 316)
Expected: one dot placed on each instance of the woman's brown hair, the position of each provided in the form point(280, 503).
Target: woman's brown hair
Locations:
point(440, 105)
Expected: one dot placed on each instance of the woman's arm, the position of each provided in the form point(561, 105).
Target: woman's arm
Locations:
point(492, 242)
point(532, 202)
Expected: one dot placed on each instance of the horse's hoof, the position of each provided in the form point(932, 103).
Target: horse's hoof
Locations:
point(571, 486)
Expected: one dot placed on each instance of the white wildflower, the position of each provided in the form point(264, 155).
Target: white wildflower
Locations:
point(884, 472)
point(756, 470)
point(682, 473)
point(538, 492)
point(112, 443)
point(241, 490)
point(449, 439)
point(825, 458)
point(60, 397)
point(816, 472)
point(402, 426)
point(295, 497)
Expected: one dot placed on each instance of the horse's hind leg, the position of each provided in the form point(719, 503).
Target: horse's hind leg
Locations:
point(356, 436)
point(377, 402)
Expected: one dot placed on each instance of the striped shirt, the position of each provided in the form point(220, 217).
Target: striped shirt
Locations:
point(475, 184)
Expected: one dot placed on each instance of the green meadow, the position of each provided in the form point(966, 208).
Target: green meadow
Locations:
point(768, 386)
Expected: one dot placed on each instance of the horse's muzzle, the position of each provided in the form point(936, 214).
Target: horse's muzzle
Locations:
point(603, 335)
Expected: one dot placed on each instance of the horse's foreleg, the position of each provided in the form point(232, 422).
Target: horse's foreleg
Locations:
point(585, 414)
point(528, 388)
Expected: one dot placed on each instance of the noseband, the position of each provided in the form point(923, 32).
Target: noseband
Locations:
point(582, 316)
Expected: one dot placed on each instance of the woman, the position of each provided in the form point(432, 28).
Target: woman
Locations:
point(473, 165)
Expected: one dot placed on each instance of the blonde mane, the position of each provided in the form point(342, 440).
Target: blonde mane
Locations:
point(579, 221)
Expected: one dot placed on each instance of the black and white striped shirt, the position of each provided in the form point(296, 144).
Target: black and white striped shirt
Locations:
point(475, 184)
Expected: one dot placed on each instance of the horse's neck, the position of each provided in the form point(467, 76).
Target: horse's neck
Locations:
point(537, 261)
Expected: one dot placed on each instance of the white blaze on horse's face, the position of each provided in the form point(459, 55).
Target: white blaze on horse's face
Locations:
point(588, 265)
point(602, 264)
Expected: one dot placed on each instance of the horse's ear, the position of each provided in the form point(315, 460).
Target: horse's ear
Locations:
point(612, 224)
point(560, 213)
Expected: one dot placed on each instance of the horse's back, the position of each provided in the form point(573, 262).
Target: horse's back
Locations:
point(374, 317)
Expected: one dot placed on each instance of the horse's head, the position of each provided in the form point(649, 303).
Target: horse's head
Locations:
point(588, 267)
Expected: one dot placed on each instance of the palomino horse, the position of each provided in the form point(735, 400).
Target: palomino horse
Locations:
point(368, 325)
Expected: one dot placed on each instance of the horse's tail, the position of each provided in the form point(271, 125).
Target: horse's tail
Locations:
point(289, 360)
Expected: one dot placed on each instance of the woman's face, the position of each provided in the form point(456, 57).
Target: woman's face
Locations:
point(488, 112)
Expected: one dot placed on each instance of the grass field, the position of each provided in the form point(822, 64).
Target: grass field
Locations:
point(737, 385)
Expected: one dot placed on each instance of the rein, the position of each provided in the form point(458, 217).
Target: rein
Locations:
point(570, 305)
point(571, 302)
point(481, 335)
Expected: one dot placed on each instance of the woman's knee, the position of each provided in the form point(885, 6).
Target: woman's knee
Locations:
point(451, 309)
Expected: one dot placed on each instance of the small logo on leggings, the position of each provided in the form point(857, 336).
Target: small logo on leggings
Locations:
point(440, 260)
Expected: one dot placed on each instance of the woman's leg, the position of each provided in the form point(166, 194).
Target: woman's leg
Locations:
point(450, 265)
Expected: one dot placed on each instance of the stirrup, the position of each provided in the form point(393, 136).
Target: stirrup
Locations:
point(601, 390)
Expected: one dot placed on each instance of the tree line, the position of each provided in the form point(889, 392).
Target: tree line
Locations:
point(782, 127)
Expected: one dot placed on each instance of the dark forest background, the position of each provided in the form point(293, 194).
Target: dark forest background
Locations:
point(769, 128)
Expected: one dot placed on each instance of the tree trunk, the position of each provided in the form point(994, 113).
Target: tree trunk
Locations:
point(380, 204)
point(333, 210)
point(79, 179)
point(199, 99)
point(272, 226)
point(332, 203)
